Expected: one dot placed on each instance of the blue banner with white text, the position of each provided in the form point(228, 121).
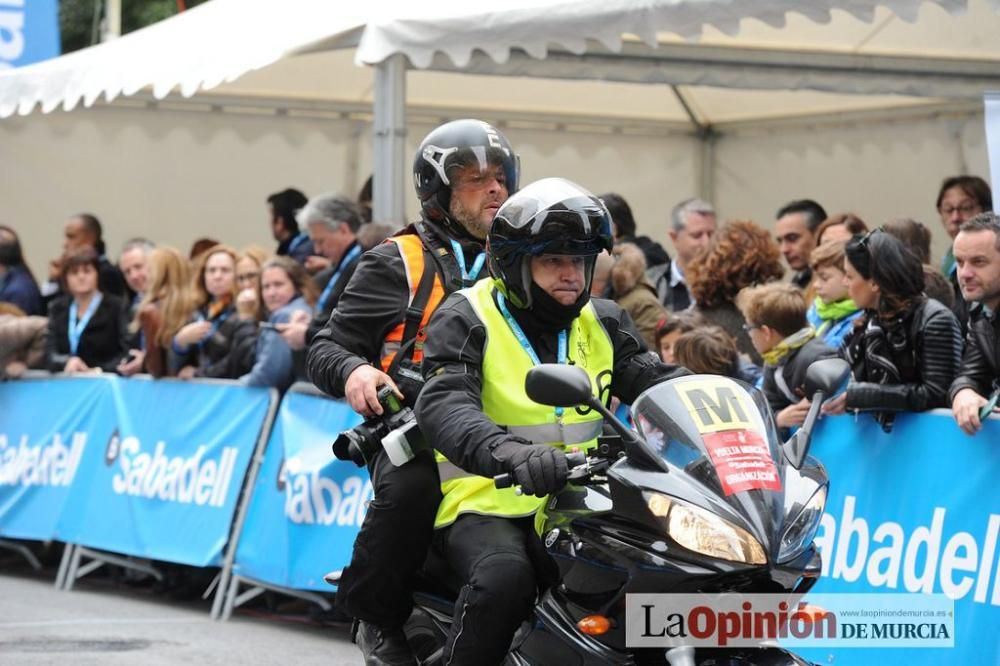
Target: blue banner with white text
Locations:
point(914, 511)
point(307, 506)
point(166, 483)
point(29, 31)
point(47, 430)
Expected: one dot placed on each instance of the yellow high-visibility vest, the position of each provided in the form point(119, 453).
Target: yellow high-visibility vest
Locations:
point(505, 366)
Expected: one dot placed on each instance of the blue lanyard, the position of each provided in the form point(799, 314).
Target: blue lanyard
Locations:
point(298, 240)
point(470, 276)
point(344, 262)
point(216, 323)
point(76, 328)
point(561, 354)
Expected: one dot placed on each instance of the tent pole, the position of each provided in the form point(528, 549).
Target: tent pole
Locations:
point(390, 136)
point(113, 20)
point(707, 136)
point(706, 180)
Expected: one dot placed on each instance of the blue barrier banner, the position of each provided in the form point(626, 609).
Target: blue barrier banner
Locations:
point(47, 431)
point(916, 511)
point(29, 31)
point(307, 506)
point(166, 484)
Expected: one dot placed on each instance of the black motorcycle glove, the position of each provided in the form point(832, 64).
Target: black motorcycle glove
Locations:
point(539, 469)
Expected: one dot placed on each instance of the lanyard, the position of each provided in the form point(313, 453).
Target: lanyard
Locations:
point(76, 328)
point(216, 323)
point(298, 240)
point(344, 262)
point(470, 276)
point(561, 355)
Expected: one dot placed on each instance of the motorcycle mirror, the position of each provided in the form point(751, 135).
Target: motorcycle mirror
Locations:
point(558, 385)
point(828, 376)
point(823, 379)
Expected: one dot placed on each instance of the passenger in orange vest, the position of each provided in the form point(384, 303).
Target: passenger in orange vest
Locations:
point(463, 171)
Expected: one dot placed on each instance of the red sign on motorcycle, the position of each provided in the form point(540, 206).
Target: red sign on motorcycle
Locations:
point(742, 461)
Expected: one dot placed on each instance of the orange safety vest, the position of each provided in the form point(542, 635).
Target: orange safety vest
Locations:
point(411, 249)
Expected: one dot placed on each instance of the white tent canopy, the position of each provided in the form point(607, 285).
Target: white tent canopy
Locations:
point(714, 58)
point(939, 49)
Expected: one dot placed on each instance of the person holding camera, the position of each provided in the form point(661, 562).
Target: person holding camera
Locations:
point(375, 337)
point(481, 343)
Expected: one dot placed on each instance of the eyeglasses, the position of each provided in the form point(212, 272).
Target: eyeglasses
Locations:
point(246, 277)
point(749, 327)
point(967, 208)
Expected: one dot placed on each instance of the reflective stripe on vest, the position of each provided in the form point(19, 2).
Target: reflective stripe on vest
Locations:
point(411, 250)
point(504, 367)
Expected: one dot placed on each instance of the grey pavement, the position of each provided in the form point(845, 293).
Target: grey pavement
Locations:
point(105, 624)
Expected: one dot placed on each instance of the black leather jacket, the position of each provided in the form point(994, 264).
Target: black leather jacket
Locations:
point(372, 304)
point(935, 343)
point(450, 408)
point(981, 363)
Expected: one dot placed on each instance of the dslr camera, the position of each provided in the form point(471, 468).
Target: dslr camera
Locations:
point(395, 430)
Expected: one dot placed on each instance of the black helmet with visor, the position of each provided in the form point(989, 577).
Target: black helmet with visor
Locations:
point(549, 216)
point(449, 148)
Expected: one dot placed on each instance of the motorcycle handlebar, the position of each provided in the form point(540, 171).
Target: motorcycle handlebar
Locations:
point(574, 459)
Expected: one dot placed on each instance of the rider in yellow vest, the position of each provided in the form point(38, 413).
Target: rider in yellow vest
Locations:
point(463, 171)
point(481, 342)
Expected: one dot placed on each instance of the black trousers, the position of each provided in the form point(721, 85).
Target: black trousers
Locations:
point(377, 586)
point(496, 558)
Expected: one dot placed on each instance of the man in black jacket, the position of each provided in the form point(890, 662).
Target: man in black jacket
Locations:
point(463, 171)
point(537, 309)
point(84, 232)
point(333, 222)
point(977, 258)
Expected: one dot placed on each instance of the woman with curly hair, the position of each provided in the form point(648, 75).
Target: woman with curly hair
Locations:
point(741, 255)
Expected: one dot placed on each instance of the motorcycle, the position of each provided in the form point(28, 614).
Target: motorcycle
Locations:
point(700, 498)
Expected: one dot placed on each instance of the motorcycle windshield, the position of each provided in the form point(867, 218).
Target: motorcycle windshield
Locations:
point(718, 436)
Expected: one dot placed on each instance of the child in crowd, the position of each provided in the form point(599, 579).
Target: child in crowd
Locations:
point(776, 323)
point(708, 350)
point(833, 313)
point(671, 328)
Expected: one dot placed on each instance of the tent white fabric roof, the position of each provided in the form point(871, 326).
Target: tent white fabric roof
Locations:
point(942, 49)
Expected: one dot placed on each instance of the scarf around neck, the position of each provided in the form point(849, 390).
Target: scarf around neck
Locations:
point(836, 310)
point(794, 341)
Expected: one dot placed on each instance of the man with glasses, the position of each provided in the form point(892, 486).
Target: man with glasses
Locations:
point(959, 199)
point(975, 391)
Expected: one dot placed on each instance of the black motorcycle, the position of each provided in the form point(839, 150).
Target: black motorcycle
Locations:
point(703, 499)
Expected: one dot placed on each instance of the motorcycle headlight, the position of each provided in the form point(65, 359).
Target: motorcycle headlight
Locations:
point(802, 530)
point(704, 532)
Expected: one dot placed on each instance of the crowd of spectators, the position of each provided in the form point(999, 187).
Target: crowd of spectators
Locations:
point(215, 312)
point(735, 299)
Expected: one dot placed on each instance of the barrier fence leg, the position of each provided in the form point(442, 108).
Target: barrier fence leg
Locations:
point(221, 592)
point(74, 567)
point(64, 566)
point(23, 551)
point(234, 588)
point(227, 579)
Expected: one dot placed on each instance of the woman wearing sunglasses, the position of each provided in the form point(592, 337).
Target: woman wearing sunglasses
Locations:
point(906, 348)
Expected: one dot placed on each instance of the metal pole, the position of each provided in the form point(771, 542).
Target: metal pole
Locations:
point(112, 20)
point(390, 136)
